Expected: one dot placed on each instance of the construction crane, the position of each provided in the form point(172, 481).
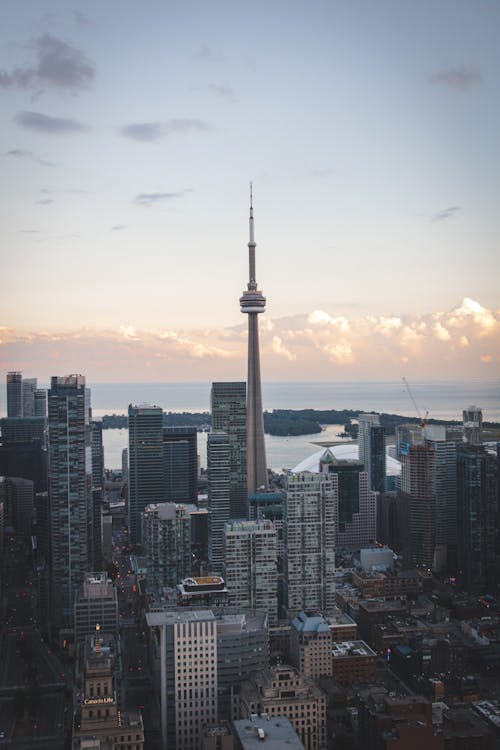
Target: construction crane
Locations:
point(423, 421)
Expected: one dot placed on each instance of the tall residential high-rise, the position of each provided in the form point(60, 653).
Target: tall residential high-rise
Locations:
point(28, 389)
point(166, 535)
point(180, 456)
point(146, 479)
point(14, 394)
point(70, 485)
point(477, 488)
point(97, 492)
point(309, 532)
point(371, 442)
point(251, 566)
point(473, 425)
point(219, 493)
point(252, 303)
point(229, 415)
point(427, 500)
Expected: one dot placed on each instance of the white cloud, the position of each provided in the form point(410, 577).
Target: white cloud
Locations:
point(278, 348)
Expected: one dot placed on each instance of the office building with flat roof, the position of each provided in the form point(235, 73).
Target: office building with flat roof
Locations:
point(146, 480)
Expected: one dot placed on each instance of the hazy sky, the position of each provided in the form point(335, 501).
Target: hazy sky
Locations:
point(130, 132)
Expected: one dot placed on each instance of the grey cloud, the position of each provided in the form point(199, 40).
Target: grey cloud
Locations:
point(446, 213)
point(118, 227)
point(222, 90)
point(81, 20)
point(20, 153)
point(148, 199)
point(46, 124)
point(208, 55)
point(461, 79)
point(153, 131)
point(59, 66)
point(44, 202)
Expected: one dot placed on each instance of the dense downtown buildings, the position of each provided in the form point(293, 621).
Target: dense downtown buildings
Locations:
point(169, 609)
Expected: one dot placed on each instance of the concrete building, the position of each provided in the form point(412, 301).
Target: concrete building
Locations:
point(229, 415)
point(98, 717)
point(166, 535)
point(267, 733)
point(252, 303)
point(389, 722)
point(146, 480)
point(202, 592)
point(185, 663)
point(180, 461)
point(251, 566)
point(371, 442)
point(70, 490)
point(219, 496)
point(311, 646)
point(28, 395)
point(269, 505)
point(242, 649)
point(17, 430)
point(309, 526)
point(14, 394)
point(282, 691)
point(96, 604)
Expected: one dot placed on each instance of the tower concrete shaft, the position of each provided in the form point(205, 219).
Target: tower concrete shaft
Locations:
point(252, 303)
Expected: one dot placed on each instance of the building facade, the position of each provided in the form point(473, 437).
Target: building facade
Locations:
point(371, 442)
point(70, 490)
point(166, 534)
point(251, 566)
point(146, 481)
point(309, 534)
point(229, 415)
point(180, 457)
point(219, 496)
point(14, 394)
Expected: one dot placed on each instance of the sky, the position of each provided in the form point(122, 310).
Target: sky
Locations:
point(130, 133)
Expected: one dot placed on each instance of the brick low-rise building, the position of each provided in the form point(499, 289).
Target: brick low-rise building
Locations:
point(353, 661)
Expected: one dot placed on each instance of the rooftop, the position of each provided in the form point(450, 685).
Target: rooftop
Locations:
point(272, 733)
point(351, 648)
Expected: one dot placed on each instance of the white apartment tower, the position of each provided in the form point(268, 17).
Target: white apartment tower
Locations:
point(309, 532)
point(251, 565)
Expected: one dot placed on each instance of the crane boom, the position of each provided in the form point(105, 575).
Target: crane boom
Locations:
point(423, 421)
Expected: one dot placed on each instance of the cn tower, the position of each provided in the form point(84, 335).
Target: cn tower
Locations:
point(253, 302)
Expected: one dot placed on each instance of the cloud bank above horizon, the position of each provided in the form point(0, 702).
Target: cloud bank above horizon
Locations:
point(462, 342)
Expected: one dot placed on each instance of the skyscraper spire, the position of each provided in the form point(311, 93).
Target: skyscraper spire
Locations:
point(253, 302)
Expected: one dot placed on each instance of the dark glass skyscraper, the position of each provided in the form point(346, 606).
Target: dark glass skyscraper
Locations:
point(146, 476)
point(180, 458)
point(477, 488)
point(14, 394)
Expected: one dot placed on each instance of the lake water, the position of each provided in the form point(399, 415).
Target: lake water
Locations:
point(444, 399)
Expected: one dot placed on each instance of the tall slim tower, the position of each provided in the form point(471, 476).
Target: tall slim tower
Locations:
point(253, 302)
point(70, 486)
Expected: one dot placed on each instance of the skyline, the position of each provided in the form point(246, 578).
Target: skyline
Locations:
point(371, 137)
